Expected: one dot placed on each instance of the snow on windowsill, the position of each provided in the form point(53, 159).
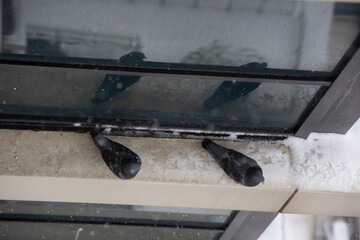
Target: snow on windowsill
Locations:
point(326, 161)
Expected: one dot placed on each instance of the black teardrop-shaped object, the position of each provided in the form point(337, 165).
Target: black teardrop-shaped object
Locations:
point(237, 166)
point(123, 162)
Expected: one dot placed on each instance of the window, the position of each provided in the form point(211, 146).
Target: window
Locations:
point(50, 220)
point(222, 70)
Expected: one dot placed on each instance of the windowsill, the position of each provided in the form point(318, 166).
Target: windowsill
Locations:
point(67, 167)
point(62, 166)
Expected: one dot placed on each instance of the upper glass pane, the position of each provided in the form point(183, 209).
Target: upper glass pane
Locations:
point(286, 35)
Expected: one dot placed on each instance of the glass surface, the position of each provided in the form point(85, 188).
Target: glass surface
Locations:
point(43, 230)
point(285, 34)
point(51, 220)
point(95, 94)
point(115, 214)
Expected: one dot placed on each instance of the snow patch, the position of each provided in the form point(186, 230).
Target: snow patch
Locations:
point(325, 161)
point(119, 85)
point(233, 136)
point(109, 126)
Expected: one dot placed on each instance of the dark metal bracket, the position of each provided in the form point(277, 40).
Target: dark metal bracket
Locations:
point(339, 108)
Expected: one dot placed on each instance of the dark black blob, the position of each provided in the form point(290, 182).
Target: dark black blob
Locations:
point(123, 162)
point(132, 58)
point(229, 91)
point(239, 167)
point(113, 83)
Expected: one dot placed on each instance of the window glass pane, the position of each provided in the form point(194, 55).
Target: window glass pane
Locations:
point(285, 34)
point(111, 213)
point(44, 230)
point(99, 94)
point(51, 220)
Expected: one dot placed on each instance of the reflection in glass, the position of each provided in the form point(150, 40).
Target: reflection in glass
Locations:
point(114, 84)
point(62, 92)
point(285, 34)
point(229, 91)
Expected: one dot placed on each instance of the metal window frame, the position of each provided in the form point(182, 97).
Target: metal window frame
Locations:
point(248, 225)
point(338, 109)
point(151, 68)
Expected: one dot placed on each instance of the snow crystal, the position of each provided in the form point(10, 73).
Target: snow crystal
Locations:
point(78, 233)
point(119, 85)
point(233, 136)
point(107, 126)
point(326, 161)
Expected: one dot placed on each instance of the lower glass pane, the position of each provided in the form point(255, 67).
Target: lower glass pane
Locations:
point(37, 91)
point(56, 220)
point(116, 214)
point(44, 230)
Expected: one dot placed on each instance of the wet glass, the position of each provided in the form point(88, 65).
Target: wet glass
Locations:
point(114, 213)
point(38, 91)
point(44, 230)
point(285, 34)
point(51, 220)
